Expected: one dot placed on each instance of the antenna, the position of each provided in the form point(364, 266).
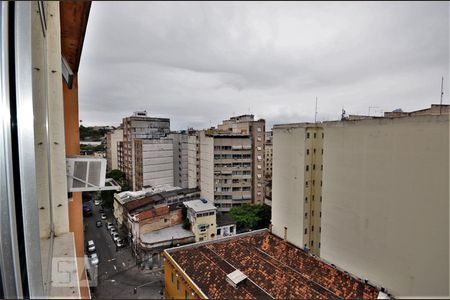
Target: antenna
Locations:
point(315, 116)
point(442, 94)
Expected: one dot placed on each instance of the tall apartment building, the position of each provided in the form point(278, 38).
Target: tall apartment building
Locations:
point(381, 199)
point(186, 159)
point(268, 153)
point(153, 162)
point(246, 124)
point(226, 169)
point(297, 159)
point(139, 126)
point(113, 138)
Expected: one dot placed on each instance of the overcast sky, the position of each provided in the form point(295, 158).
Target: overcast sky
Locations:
point(200, 63)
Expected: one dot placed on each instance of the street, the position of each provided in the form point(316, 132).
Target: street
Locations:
point(118, 274)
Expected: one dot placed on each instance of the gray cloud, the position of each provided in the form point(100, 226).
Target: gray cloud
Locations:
point(200, 63)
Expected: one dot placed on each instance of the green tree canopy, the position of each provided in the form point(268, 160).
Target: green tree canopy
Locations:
point(251, 216)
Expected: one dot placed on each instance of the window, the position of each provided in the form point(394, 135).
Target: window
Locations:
point(259, 129)
point(186, 294)
point(314, 150)
point(306, 183)
point(314, 135)
point(314, 182)
point(306, 215)
point(172, 277)
point(307, 135)
point(314, 167)
point(322, 134)
point(320, 214)
point(312, 213)
point(319, 244)
point(306, 199)
point(259, 139)
point(165, 220)
point(312, 228)
point(178, 284)
point(321, 183)
point(307, 168)
point(321, 167)
point(312, 197)
point(312, 243)
point(320, 198)
point(322, 151)
point(307, 151)
point(218, 231)
point(306, 231)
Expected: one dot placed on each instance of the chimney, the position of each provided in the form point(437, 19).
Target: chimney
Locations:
point(236, 278)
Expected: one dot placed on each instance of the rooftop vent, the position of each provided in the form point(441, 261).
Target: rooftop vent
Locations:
point(235, 278)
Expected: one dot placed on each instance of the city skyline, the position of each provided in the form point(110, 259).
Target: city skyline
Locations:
point(200, 63)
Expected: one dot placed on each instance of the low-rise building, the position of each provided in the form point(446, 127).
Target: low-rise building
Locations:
point(202, 216)
point(226, 226)
point(256, 265)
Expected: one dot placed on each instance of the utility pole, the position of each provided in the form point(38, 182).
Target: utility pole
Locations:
point(442, 94)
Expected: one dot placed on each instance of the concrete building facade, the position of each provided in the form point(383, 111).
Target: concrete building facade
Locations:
point(139, 126)
point(113, 138)
point(381, 198)
point(185, 158)
point(153, 162)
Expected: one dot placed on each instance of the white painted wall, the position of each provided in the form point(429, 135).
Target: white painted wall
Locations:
point(288, 183)
point(157, 162)
point(385, 209)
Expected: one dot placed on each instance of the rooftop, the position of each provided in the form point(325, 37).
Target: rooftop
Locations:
point(223, 219)
point(173, 232)
point(127, 196)
point(199, 205)
point(274, 268)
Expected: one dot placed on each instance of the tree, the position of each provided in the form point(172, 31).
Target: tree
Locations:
point(120, 178)
point(251, 216)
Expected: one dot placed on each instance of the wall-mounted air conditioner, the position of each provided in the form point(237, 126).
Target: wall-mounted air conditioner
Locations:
point(87, 174)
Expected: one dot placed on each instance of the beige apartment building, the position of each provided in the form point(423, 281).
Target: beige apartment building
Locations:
point(113, 138)
point(139, 126)
point(381, 199)
point(246, 124)
point(226, 169)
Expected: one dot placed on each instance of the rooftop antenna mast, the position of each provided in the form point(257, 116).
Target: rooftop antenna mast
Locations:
point(442, 94)
point(315, 116)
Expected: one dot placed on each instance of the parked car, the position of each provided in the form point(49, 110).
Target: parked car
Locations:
point(87, 210)
point(103, 217)
point(113, 231)
point(120, 243)
point(90, 246)
point(109, 225)
point(93, 258)
point(98, 223)
point(115, 237)
point(97, 202)
point(101, 210)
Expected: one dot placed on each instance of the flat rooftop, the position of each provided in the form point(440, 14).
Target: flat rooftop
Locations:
point(173, 232)
point(199, 205)
point(275, 269)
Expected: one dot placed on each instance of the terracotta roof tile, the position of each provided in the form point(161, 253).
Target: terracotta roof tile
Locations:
point(275, 269)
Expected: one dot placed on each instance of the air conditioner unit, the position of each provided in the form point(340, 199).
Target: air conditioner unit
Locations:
point(87, 174)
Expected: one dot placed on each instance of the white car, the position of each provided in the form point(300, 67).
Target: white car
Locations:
point(97, 202)
point(109, 226)
point(113, 231)
point(115, 237)
point(91, 246)
point(103, 217)
point(93, 258)
point(120, 243)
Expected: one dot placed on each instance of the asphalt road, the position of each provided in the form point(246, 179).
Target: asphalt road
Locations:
point(118, 274)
